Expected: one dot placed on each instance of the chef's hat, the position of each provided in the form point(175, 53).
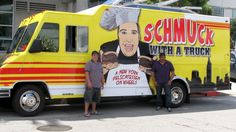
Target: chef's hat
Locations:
point(115, 16)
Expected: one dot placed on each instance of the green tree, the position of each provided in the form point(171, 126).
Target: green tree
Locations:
point(198, 2)
point(182, 3)
point(206, 9)
point(153, 1)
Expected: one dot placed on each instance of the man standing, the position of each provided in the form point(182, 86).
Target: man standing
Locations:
point(94, 83)
point(163, 73)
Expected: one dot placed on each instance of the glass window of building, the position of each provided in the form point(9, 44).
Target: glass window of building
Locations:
point(234, 13)
point(6, 5)
point(6, 24)
point(217, 11)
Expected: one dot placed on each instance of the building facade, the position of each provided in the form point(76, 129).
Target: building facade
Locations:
point(225, 8)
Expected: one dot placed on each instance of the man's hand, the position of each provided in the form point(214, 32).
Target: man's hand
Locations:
point(89, 85)
point(102, 87)
point(172, 74)
point(155, 83)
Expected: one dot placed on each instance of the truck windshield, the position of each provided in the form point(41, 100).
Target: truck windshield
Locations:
point(16, 39)
point(22, 38)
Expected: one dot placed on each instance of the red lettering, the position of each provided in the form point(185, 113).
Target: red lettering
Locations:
point(148, 37)
point(156, 31)
point(209, 36)
point(192, 31)
point(179, 31)
point(201, 29)
point(168, 31)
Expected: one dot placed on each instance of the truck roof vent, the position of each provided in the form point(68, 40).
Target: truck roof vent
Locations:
point(41, 6)
point(21, 6)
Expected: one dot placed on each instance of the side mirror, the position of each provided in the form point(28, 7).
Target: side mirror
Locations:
point(36, 46)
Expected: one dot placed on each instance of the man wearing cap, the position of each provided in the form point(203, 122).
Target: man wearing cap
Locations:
point(163, 73)
point(127, 52)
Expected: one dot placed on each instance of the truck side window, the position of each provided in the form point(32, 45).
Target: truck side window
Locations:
point(49, 35)
point(77, 39)
point(70, 38)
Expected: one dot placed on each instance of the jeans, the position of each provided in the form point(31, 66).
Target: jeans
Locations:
point(167, 90)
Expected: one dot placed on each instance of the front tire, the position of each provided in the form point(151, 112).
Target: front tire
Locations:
point(178, 94)
point(28, 100)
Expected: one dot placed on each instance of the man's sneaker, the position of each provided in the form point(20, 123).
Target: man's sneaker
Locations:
point(158, 108)
point(95, 113)
point(169, 109)
point(86, 115)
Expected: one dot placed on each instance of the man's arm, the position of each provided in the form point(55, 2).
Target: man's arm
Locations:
point(87, 76)
point(172, 73)
point(102, 81)
point(87, 79)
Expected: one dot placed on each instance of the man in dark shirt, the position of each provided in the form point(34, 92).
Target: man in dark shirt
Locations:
point(163, 73)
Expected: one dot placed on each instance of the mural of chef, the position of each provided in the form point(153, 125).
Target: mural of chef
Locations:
point(126, 60)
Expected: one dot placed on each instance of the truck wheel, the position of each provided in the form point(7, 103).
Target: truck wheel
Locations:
point(28, 100)
point(178, 94)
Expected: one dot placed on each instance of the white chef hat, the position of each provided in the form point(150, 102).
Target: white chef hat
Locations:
point(115, 16)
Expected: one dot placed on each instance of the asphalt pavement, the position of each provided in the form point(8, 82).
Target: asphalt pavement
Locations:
point(203, 114)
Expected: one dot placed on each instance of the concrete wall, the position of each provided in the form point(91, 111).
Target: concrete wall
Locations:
point(228, 12)
point(223, 3)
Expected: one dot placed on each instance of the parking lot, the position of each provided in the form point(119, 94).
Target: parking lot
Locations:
point(216, 113)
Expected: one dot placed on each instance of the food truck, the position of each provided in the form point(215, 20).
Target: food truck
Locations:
point(47, 57)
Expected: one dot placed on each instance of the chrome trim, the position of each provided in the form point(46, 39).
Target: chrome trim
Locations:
point(5, 93)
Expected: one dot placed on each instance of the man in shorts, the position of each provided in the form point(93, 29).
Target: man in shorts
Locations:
point(94, 83)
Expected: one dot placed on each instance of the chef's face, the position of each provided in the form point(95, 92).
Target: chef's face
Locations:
point(128, 38)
